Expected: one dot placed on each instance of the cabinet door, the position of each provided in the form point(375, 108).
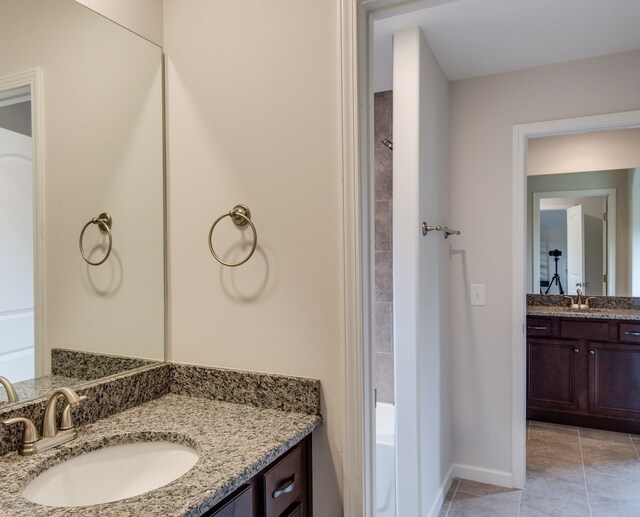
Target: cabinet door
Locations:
point(553, 373)
point(614, 380)
point(239, 504)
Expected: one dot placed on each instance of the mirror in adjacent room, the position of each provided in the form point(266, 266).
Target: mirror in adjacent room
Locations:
point(81, 133)
point(584, 214)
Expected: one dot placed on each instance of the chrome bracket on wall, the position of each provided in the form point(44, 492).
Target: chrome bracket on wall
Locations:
point(447, 231)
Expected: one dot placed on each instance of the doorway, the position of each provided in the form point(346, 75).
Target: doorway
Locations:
point(20, 266)
point(574, 241)
point(522, 134)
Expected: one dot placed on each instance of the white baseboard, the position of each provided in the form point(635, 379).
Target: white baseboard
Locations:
point(489, 476)
point(437, 504)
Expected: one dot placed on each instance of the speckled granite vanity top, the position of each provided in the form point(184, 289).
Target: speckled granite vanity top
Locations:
point(600, 307)
point(239, 422)
point(595, 313)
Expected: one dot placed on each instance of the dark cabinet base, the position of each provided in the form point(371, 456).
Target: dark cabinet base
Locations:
point(282, 489)
point(584, 373)
point(595, 422)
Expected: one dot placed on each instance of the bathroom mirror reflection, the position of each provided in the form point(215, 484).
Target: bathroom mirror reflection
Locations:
point(584, 222)
point(81, 133)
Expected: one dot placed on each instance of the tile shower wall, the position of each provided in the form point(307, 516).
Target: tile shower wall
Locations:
point(383, 184)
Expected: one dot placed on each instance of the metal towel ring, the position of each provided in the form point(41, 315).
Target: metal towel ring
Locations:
point(104, 222)
point(241, 216)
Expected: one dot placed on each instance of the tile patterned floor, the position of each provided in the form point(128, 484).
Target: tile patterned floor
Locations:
point(571, 472)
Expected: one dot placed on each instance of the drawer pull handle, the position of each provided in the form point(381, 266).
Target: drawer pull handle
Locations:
point(286, 487)
point(632, 333)
point(537, 328)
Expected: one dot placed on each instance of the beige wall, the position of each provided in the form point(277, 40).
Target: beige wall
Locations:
point(102, 149)
point(143, 17)
point(253, 114)
point(484, 111)
point(599, 151)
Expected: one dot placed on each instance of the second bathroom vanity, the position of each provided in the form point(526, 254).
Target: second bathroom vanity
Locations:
point(583, 366)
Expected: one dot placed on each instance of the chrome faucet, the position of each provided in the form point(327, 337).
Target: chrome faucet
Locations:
point(12, 396)
point(52, 434)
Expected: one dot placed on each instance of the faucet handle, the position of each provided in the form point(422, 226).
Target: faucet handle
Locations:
point(66, 420)
point(29, 434)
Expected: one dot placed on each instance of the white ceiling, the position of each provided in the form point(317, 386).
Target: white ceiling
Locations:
point(471, 38)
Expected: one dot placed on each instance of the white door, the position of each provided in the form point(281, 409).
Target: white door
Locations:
point(575, 248)
point(16, 258)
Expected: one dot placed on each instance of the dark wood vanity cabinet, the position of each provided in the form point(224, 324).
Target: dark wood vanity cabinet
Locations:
point(584, 372)
point(553, 376)
point(282, 489)
point(614, 380)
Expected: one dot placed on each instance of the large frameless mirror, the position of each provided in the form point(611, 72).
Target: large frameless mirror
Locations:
point(81, 134)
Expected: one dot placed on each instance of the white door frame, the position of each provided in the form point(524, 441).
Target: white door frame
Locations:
point(610, 194)
point(357, 212)
point(521, 134)
point(33, 79)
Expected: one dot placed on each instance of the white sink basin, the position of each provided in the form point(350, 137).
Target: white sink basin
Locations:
point(111, 474)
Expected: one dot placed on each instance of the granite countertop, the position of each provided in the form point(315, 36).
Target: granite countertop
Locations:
point(593, 313)
point(235, 442)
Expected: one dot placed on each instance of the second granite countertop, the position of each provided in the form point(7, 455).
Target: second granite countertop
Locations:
point(596, 313)
point(235, 442)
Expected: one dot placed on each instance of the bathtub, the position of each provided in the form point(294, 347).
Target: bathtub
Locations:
point(385, 460)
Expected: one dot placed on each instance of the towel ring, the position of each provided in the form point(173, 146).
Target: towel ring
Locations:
point(241, 216)
point(104, 222)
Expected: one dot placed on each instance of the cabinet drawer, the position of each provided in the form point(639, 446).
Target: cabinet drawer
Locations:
point(577, 329)
point(630, 332)
point(539, 327)
point(284, 483)
point(294, 511)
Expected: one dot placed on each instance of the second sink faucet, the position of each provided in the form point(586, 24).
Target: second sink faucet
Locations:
point(12, 396)
point(52, 434)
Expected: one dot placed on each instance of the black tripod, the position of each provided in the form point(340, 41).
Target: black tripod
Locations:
point(556, 277)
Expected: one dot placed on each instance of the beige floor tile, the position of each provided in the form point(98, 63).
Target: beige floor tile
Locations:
point(503, 504)
point(569, 504)
point(605, 436)
point(602, 456)
point(554, 426)
point(623, 484)
point(557, 482)
point(452, 489)
point(553, 443)
point(615, 507)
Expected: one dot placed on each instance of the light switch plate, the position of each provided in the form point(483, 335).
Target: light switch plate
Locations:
point(477, 294)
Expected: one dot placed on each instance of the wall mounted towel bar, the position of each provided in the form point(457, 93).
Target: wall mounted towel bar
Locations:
point(104, 222)
point(447, 231)
point(241, 216)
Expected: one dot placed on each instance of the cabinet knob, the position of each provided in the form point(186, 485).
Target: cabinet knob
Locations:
point(592, 352)
point(576, 350)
